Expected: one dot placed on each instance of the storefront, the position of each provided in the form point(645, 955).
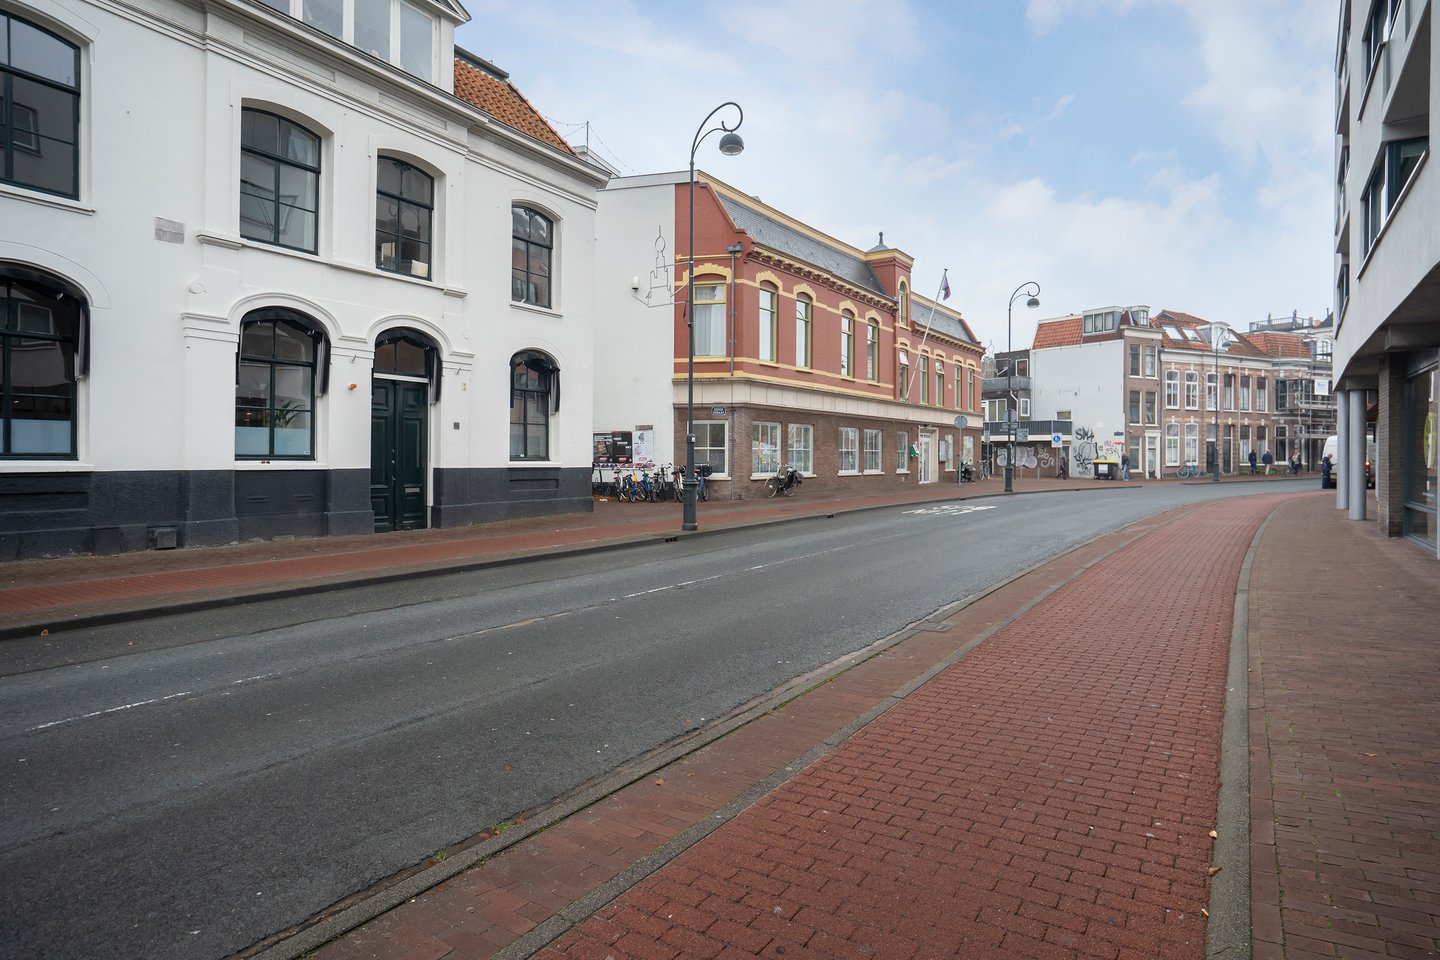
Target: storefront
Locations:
point(1422, 420)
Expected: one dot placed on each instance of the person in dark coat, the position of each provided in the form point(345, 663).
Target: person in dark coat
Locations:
point(1269, 461)
point(1325, 468)
point(1253, 460)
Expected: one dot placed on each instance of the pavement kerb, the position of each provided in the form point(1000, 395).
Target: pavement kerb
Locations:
point(333, 926)
point(1227, 934)
point(326, 584)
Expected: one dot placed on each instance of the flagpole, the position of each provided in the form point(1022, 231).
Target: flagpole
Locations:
point(944, 285)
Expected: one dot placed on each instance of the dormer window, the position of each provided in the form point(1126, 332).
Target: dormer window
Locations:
point(1140, 316)
point(1102, 321)
point(392, 30)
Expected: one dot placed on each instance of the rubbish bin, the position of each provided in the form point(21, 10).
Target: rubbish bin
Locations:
point(1107, 470)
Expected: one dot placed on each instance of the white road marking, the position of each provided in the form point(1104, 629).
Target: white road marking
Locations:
point(950, 510)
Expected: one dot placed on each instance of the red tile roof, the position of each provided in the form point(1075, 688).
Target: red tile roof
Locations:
point(1276, 344)
point(1065, 332)
point(501, 100)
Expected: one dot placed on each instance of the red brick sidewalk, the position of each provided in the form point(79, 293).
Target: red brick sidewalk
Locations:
point(1345, 741)
point(1049, 795)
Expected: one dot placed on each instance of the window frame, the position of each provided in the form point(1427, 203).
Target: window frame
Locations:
point(279, 163)
point(806, 463)
point(532, 214)
point(872, 351)
point(703, 427)
point(849, 448)
point(768, 331)
point(394, 20)
point(317, 366)
point(401, 202)
point(709, 318)
point(758, 470)
point(547, 373)
point(11, 334)
point(1172, 389)
point(1192, 390)
point(8, 74)
point(847, 343)
point(804, 326)
point(1172, 444)
point(902, 451)
point(873, 451)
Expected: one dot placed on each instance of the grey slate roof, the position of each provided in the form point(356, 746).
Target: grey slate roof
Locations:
point(792, 243)
point(943, 324)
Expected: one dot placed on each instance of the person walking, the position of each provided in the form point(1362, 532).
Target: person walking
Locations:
point(1124, 466)
point(1253, 460)
point(1269, 461)
point(1295, 463)
point(1325, 467)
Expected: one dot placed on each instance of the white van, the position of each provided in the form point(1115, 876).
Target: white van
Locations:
point(1332, 450)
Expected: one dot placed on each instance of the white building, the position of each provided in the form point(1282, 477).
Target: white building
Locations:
point(1387, 260)
point(227, 223)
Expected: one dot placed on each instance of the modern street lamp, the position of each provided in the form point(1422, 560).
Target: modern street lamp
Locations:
point(1013, 405)
point(1218, 337)
point(730, 145)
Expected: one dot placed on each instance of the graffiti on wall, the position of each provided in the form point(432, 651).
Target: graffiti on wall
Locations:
point(1083, 453)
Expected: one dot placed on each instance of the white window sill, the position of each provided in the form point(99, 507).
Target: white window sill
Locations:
point(44, 199)
point(280, 464)
point(45, 466)
point(550, 464)
point(902, 471)
point(849, 473)
point(532, 308)
point(872, 473)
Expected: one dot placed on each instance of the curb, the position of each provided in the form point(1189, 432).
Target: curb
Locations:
point(282, 590)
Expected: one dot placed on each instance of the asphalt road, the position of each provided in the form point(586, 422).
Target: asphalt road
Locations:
point(190, 784)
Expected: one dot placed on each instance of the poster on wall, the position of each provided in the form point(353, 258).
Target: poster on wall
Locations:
point(969, 449)
point(644, 448)
point(613, 447)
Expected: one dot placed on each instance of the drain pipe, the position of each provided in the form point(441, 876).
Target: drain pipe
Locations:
point(733, 249)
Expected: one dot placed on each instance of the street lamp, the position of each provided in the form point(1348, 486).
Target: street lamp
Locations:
point(1012, 406)
point(730, 145)
point(1217, 339)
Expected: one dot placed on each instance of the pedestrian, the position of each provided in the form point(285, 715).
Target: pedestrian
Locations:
point(1062, 469)
point(1325, 467)
point(1253, 459)
point(1295, 463)
point(1269, 461)
point(1124, 466)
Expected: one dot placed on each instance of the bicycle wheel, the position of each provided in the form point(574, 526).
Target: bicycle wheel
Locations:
point(772, 487)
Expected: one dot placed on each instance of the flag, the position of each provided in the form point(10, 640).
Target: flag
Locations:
point(945, 285)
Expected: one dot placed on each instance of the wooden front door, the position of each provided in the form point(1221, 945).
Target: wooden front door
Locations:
point(397, 454)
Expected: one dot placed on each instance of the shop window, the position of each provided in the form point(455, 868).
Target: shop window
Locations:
point(43, 328)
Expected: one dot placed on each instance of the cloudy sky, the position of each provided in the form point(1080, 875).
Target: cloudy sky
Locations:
point(1175, 153)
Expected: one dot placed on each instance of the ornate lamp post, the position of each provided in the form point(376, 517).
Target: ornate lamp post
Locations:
point(730, 145)
point(1218, 337)
point(1012, 407)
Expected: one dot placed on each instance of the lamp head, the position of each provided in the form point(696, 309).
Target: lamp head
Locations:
point(731, 144)
point(1033, 302)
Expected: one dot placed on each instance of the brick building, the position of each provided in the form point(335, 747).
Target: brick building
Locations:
point(808, 351)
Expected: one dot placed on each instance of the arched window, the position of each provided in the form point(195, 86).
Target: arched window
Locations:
point(904, 384)
point(1172, 389)
point(803, 316)
point(1192, 390)
point(276, 383)
point(709, 318)
point(532, 251)
point(404, 352)
point(404, 211)
point(42, 353)
point(872, 350)
point(902, 306)
point(534, 397)
point(39, 108)
point(279, 181)
point(769, 327)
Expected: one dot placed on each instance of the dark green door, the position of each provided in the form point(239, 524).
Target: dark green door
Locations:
point(397, 454)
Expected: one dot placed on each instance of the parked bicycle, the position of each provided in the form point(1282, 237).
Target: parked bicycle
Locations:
point(1190, 469)
point(785, 481)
